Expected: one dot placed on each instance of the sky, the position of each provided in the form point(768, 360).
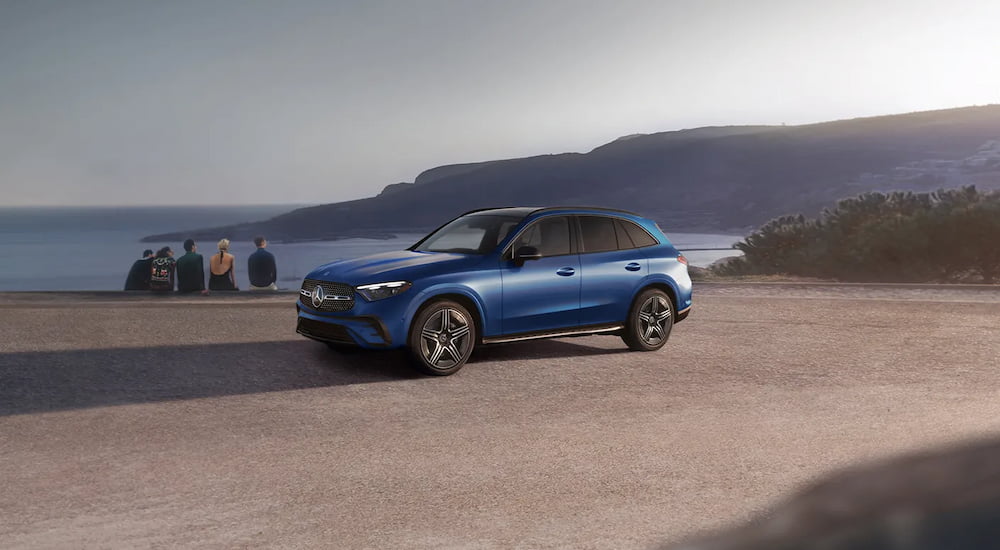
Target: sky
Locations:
point(217, 102)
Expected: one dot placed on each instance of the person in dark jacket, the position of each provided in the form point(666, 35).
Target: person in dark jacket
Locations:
point(190, 269)
point(261, 266)
point(138, 275)
point(163, 271)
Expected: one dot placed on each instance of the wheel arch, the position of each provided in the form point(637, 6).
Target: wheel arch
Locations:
point(466, 300)
point(659, 284)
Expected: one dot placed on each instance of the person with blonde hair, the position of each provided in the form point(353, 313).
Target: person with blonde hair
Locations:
point(221, 265)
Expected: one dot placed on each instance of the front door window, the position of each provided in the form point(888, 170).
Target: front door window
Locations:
point(542, 294)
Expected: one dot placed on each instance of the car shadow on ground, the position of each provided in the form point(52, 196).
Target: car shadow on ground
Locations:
point(33, 382)
point(47, 381)
point(548, 349)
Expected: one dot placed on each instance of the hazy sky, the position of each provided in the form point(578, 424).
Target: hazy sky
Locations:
point(230, 102)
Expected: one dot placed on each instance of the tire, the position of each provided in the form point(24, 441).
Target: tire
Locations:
point(649, 321)
point(441, 338)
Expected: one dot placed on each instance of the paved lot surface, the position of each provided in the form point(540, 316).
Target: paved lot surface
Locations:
point(207, 423)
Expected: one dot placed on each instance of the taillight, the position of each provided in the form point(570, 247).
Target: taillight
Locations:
point(682, 259)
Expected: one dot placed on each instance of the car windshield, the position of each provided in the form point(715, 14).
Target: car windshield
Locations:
point(472, 234)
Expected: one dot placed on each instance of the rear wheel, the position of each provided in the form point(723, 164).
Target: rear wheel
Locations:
point(649, 321)
point(441, 338)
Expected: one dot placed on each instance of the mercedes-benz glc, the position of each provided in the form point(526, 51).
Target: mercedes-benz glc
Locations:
point(503, 275)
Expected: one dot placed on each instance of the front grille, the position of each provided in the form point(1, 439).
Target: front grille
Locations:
point(331, 290)
point(326, 332)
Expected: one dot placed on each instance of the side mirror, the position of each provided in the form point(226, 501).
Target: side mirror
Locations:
point(524, 254)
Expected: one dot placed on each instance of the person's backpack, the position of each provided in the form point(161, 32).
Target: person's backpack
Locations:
point(160, 278)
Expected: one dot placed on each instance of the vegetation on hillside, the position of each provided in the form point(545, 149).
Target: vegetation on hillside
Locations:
point(945, 236)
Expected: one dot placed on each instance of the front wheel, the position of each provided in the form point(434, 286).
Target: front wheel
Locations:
point(441, 338)
point(649, 321)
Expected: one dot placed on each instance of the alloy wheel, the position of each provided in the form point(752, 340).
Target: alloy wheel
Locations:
point(653, 317)
point(444, 338)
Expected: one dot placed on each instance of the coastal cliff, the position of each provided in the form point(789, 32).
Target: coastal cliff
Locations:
point(703, 179)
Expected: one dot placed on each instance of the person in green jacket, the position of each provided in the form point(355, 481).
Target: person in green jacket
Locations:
point(190, 269)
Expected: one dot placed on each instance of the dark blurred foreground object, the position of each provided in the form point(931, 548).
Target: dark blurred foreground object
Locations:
point(936, 500)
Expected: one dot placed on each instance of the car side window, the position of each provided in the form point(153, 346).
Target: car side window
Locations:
point(505, 230)
point(639, 236)
point(549, 235)
point(624, 241)
point(598, 234)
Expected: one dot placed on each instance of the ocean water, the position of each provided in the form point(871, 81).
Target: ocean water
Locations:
point(93, 248)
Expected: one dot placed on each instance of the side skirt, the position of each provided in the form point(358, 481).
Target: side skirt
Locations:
point(575, 331)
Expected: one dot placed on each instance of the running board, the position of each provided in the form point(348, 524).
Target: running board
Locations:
point(553, 334)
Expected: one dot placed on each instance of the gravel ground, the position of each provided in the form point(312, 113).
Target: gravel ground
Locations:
point(205, 422)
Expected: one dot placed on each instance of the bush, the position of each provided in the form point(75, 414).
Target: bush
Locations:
point(946, 236)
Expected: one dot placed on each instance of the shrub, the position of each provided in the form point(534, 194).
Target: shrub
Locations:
point(945, 236)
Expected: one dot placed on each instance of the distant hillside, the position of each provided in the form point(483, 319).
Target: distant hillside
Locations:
point(718, 178)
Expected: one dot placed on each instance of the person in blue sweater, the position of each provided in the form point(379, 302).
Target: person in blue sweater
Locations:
point(261, 266)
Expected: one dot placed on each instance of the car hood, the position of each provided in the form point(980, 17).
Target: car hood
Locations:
point(396, 265)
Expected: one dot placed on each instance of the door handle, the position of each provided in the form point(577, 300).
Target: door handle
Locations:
point(633, 267)
point(566, 271)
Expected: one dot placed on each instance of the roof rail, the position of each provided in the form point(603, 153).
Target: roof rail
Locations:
point(535, 210)
point(598, 208)
point(484, 209)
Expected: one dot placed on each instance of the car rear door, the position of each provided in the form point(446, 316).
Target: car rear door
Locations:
point(611, 268)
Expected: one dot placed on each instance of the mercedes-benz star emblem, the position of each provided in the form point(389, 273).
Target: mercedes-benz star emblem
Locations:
point(318, 295)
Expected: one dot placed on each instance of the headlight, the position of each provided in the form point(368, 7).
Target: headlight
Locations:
point(380, 291)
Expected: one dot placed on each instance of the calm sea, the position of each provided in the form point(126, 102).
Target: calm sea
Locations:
point(93, 248)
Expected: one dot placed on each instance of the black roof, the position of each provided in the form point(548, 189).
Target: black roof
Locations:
point(528, 210)
point(595, 208)
point(515, 210)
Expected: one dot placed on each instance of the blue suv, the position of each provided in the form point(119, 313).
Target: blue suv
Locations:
point(503, 275)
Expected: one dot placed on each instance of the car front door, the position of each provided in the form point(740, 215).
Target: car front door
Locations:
point(543, 294)
point(612, 267)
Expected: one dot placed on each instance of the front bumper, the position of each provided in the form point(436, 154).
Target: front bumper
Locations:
point(352, 328)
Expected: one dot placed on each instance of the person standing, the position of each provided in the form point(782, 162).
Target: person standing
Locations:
point(163, 270)
point(138, 275)
point(222, 276)
point(261, 267)
point(190, 269)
